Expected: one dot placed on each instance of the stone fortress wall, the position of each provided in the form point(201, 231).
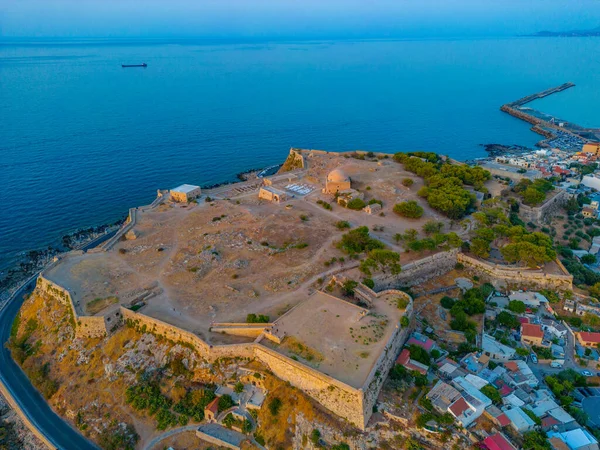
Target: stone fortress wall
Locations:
point(521, 276)
point(85, 326)
point(550, 207)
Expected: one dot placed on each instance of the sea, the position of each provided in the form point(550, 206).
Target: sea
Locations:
point(83, 139)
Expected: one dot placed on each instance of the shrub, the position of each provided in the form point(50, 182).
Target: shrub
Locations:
point(358, 241)
point(408, 182)
point(348, 287)
point(122, 251)
point(368, 282)
point(315, 436)
point(409, 209)
point(342, 224)
point(404, 322)
point(225, 402)
point(303, 217)
point(356, 204)
point(274, 406)
point(447, 302)
point(517, 306)
point(253, 318)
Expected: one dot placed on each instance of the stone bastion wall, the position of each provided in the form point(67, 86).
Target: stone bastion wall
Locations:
point(520, 276)
point(419, 271)
point(540, 213)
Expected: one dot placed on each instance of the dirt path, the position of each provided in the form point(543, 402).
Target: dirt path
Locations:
point(167, 434)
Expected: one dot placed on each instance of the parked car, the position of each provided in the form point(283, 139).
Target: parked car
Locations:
point(533, 358)
point(556, 365)
point(586, 373)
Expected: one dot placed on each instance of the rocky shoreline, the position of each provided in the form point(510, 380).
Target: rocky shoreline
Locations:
point(494, 150)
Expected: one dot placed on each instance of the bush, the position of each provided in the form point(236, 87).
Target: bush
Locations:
point(359, 241)
point(348, 287)
point(368, 282)
point(356, 204)
point(253, 318)
point(408, 182)
point(342, 224)
point(274, 406)
point(447, 302)
point(492, 393)
point(404, 322)
point(409, 209)
point(225, 402)
point(315, 436)
point(517, 306)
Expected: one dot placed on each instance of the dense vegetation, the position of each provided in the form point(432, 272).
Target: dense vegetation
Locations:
point(146, 395)
point(562, 385)
point(442, 241)
point(533, 192)
point(359, 241)
point(409, 209)
point(381, 259)
point(444, 182)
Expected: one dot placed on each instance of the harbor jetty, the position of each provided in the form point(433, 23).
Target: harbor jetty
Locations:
point(552, 129)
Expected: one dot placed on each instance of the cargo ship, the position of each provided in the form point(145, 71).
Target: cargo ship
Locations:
point(134, 65)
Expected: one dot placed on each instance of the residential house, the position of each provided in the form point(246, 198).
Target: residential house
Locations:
point(588, 212)
point(531, 334)
point(421, 340)
point(497, 441)
point(582, 308)
point(577, 439)
point(531, 299)
point(569, 306)
point(556, 329)
point(519, 420)
point(588, 339)
point(518, 374)
point(212, 410)
point(496, 350)
point(442, 395)
point(410, 364)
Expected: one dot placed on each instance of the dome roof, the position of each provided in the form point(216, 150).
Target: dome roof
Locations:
point(337, 176)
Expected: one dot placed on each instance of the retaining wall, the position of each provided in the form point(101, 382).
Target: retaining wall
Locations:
point(419, 271)
point(519, 276)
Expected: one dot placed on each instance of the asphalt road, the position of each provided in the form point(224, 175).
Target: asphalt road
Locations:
point(34, 406)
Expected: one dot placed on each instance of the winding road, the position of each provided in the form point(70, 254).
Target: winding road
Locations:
point(58, 432)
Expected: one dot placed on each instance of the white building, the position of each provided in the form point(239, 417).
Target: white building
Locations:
point(496, 350)
point(577, 439)
point(519, 420)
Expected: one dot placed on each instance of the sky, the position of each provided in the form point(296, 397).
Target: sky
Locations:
point(295, 19)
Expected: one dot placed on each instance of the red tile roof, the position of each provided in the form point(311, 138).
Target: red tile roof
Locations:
point(213, 406)
point(459, 406)
point(511, 365)
point(497, 442)
point(531, 330)
point(503, 420)
point(426, 344)
point(404, 357)
point(589, 337)
point(549, 422)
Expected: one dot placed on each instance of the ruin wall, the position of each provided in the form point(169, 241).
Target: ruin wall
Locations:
point(551, 207)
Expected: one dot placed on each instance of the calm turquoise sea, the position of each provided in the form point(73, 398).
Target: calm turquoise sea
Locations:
point(82, 140)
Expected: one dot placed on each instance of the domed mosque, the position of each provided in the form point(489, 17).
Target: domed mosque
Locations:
point(337, 181)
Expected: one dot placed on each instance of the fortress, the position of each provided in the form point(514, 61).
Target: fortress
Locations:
point(194, 272)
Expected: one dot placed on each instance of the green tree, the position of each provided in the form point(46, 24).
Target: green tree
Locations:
point(508, 320)
point(588, 259)
point(492, 393)
point(517, 306)
point(409, 209)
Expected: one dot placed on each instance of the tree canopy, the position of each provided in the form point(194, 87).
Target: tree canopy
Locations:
point(409, 209)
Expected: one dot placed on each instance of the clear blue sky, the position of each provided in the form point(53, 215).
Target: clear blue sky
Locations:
point(292, 18)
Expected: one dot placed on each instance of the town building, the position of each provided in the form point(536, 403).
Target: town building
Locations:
point(272, 194)
point(588, 339)
point(519, 374)
point(519, 420)
point(496, 350)
point(410, 364)
point(212, 410)
point(531, 299)
point(337, 181)
point(421, 340)
point(556, 329)
point(442, 395)
point(531, 334)
point(569, 306)
point(591, 148)
point(577, 439)
point(589, 213)
point(185, 193)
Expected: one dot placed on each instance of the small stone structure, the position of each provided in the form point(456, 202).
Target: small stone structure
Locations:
point(337, 181)
point(185, 193)
point(272, 194)
point(375, 208)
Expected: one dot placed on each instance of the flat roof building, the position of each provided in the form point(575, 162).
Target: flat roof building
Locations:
point(185, 193)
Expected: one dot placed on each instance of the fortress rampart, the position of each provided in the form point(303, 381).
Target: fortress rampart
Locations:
point(520, 275)
point(541, 213)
